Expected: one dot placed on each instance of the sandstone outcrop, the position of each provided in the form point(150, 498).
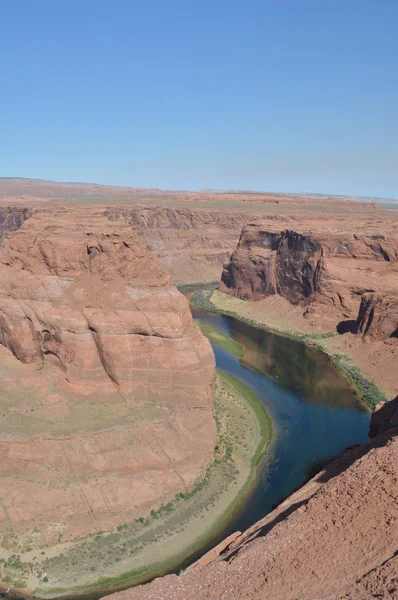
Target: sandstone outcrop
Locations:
point(378, 316)
point(335, 539)
point(384, 417)
point(267, 263)
point(191, 244)
point(334, 269)
point(299, 264)
point(107, 384)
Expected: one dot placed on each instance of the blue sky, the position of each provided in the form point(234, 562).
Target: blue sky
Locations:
point(283, 95)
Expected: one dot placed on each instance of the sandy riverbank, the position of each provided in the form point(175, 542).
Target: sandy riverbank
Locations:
point(371, 366)
point(156, 543)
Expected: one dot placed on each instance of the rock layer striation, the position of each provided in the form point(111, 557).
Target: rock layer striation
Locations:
point(352, 275)
point(191, 244)
point(107, 386)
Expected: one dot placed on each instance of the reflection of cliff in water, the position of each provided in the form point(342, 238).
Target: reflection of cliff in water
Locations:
point(303, 370)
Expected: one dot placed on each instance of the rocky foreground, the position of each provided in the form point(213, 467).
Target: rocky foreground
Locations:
point(334, 539)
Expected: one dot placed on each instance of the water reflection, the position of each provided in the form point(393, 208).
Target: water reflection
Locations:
point(301, 369)
point(315, 410)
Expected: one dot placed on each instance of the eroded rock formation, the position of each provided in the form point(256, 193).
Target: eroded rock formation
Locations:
point(378, 316)
point(267, 263)
point(107, 384)
point(11, 219)
point(191, 244)
point(315, 266)
point(384, 417)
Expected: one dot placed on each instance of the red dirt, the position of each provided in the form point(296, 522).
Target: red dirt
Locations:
point(335, 538)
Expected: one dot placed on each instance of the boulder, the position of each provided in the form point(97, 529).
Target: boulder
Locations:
point(384, 417)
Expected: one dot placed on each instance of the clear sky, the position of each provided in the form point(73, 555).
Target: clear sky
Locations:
point(283, 95)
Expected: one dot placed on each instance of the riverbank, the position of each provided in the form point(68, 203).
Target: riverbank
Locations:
point(344, 351)
point(159, 542)
point(220, 339)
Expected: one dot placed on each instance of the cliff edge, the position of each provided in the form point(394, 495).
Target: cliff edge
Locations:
point(107, 384)
point(334, 539)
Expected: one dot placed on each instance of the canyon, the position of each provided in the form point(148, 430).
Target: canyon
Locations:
point(192, 233)
point(107, 384)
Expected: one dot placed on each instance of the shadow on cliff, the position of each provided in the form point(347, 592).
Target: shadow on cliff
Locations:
point(335, 467)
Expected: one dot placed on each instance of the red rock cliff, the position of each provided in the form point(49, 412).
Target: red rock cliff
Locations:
point(191, 244)
point(108, 403)
point(378, 316)
point(306, 266)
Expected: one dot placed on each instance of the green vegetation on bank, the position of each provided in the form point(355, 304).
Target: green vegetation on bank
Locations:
point(103, 562)
point(265, 421)
point(367, 390)
point(202, 299)
point(220, 339)
point(190, 288)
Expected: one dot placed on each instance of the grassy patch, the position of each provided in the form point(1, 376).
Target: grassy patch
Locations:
point(369, 391)
point(266, 430)
point(203, 299)
point(190, 288)
point(220, 339)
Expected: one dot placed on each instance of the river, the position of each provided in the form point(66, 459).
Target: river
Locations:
point(315, 411)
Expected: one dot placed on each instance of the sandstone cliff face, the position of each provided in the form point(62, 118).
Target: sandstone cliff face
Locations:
point(191, 244)
point(108, 403)
point(11, 219)
point(378, 316)
point(267, 263)
point(314, 266)
point(334, 539)
point(97, 302)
